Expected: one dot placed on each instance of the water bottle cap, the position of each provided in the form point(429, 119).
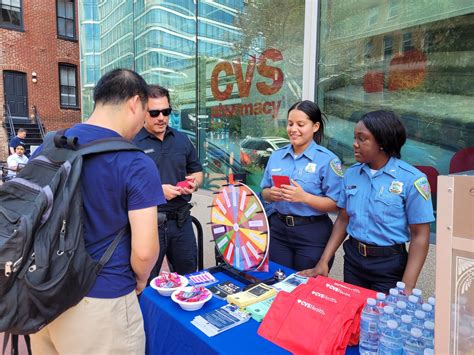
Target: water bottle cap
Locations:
point(420, 314)
point(412, 299)
point(429, 325)
point(416, 291)
point(392, 324)
point(388, 309)
point(371, 301)
point(432, 301)
point(428, 351)
point(401, 284)
point(393, 292)
point(381, 296)
point(406, 318)
point(427, 307)
point(416, 332)
point(401, 304)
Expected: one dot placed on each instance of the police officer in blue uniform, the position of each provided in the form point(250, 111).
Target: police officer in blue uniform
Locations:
point(384, 203)
point(177, 161)
point(300, 226)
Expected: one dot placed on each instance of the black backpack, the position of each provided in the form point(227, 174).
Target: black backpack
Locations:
point(44, 266)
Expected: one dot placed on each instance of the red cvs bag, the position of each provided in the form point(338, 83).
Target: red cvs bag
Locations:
point(319, 317)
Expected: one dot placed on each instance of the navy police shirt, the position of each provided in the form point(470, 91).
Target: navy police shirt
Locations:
point(317, 170)
point(382, 206)
point(175, 157)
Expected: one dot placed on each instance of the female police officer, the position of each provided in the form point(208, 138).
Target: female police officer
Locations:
point(384, 203)
point(300, 226)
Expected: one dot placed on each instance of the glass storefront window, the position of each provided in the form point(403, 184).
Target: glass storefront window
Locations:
point(410, 57)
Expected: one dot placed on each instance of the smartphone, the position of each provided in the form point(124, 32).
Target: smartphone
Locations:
point(279, 180)
point(184, 184)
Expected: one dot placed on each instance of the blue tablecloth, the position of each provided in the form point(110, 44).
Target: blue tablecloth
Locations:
point(169, 330)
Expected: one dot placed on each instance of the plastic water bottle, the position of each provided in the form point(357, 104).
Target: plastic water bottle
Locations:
point(432, 301)
point(400, 310)
point(428, 351)
point(418, 293)
point(405, 327)
point(402, 293)
point(419, 319)
point(386, 316)
point(414, 344)
point(390, 340)
point(392, 297)
point(428, 334)
point(412, 305)
point(369, 337)
point(428, 309)
point(381, 301)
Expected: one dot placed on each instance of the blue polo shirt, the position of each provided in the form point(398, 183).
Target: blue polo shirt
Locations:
point(382, 206)
point(317, 170)
point(113, 184)
point(175, 158)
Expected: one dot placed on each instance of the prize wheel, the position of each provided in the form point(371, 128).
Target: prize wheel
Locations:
point(240, 227)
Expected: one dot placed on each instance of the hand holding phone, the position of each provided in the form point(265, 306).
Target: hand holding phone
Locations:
point(184, 184)
point(279, 180)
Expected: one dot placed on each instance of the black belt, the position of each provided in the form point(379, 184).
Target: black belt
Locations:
point(169, 215)
point(373, 250)
point(292, 221)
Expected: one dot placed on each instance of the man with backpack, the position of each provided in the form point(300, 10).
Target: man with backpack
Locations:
point(119, 188)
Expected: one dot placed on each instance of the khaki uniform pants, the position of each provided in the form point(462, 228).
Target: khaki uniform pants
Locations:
point(95, 326)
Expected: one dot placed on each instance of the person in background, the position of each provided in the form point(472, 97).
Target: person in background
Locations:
point(18, 139)
point(385, 202)
point(16, 161)
point(119, 190)
point(177, 161)
point(300, 226)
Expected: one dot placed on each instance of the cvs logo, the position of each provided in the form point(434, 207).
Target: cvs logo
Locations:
point(244, 83)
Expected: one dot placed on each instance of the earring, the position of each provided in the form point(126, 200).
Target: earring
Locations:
point(381, 148)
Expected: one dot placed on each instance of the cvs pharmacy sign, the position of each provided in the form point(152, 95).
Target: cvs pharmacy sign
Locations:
point(222, 89)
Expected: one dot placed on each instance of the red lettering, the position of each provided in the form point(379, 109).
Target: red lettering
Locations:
point(244, 86)
point(267, 71)
point(221, 95)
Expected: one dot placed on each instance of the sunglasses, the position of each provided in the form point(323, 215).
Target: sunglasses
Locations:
point(155, 113)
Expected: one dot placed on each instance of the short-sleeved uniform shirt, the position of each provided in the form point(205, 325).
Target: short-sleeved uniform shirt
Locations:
point(113, 184)
point(382, 206)
point(175, 157)
point(15, 141)
point(13, 161)
point(317, 170)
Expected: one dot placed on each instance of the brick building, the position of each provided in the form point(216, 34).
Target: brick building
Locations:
point(39, 64)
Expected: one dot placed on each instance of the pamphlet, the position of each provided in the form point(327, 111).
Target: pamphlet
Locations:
point(201, 278)
point(258, 310)
point(253, 295)
point(224, 289)
point(290, 283)
point(220, 320)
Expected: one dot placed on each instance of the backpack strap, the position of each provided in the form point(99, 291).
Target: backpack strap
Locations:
point(111, 248)
point(107, 145)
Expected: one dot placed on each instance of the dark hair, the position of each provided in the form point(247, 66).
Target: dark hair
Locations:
point(20, 145)
point(314, 113)
point(387, 129)
point(157, 91)
point(119, 85)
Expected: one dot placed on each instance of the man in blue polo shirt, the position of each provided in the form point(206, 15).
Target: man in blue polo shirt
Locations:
point(181, 175)
point(118, 189)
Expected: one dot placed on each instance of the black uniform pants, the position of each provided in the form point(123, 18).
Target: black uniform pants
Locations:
point(378, 273)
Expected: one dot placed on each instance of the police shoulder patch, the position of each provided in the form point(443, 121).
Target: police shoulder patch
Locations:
point(336, 166)
point(423, 187)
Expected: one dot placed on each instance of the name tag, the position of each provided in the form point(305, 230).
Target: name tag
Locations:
point(148, 151)
point(276, 170)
